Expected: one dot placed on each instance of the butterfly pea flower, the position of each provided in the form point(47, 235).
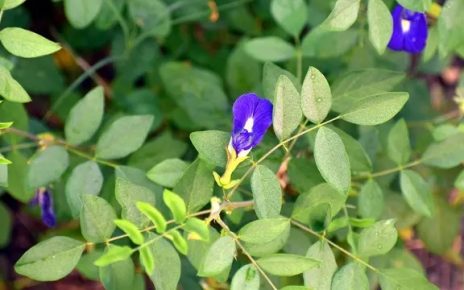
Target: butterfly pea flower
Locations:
point(44, 199)
point(252, 116)
point(409, 30)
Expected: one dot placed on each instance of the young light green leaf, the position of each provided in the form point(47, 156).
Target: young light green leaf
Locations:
point(350, 277)
point(343, 15)
point(416, 5)
point(446, 154)
point(267, 193)
point(320, 277)
point(10, 89)
point(167, 275)
point(25, 43)
point(287, 110)
point(5, 125)
point(332, 160)
point(459, 182)
point(135, 129)
point(290, 15)
point(197, 228)
point(155, 216)
point(378, 239)
point(10, 4)
point(176, 204)
point(47, 166)
point(168, 172)
point(114, 254)
point(371, 200)
point(269, 48)
point(50, 260)
point(218, 258)
point(404, 278)
point(147, 260)
point(96, 219)
point(376, 109)
point(86, 178)
point(316, 98)
point(286, 264)
point(81, 13)
point(380, 24)
point(178, 241)
point(246, 278)
point(416, 192)
point(399, 148)
point(263, 230)
point(211, 145)
point(131, 230)
point(85, 117)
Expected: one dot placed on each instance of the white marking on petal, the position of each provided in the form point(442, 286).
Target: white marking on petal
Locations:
point(249, 124)
point(244, 153)
point(405, 25)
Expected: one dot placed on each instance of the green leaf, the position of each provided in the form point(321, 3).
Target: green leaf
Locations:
point(459, 182)
point(96, 219)
point(451, 26)
point(134, 129)
point(431, 45)
point(321, 43)
point(291, 287)
point(332, 160)
point(416, 5)
point(179, 242)
point(320, 277)
point(47, 166)
point(197, 227)
point(196, 186)
point(445, 154)
point(370, 200)
point(246, 278)
point(50, 260)
point(286, 264)
point(269, 48)
point(403, 278)
point(17, 177)
point(271, 247)
point(287, 110)
point(263, 230)
point(290, 15)
point(350, 277)
point(86, 178)
point(85, 117)
point(131, 230)
point(147, 260)
point(416, 192)
point(176, 204)
point(211, 146)
point(10, 89)
point(118, 275)
point(398, 147)
point(380, 24)
point(81, 13)
point(267, 193)
point(343, 15)
point(378, 239)
point(168, 172)
point(167, 275)
point(376, 109)
point(155, 216)
point(440, 231)
point(86, 265)
point(218, 258)
point(359, 159)
point(316, 204)
point(25, 43)
point(271, 74)
point(153, 16)
point(114, 254)
point(10, 4)
point(131, 187)
point(303, 174)
point(316, 98)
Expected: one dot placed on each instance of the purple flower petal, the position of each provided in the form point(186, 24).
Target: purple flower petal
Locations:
point(410, 30)
point(44, 199)
point(252, 118)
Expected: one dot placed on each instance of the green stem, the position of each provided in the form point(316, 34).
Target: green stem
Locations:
point(120, 19)
point(389, 171)
point(163, 235)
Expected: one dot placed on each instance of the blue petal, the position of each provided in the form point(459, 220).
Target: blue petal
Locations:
point(250, 107)
point(397, 38)
point(46, 205)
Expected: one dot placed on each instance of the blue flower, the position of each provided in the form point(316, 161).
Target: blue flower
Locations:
point(252, 118)
point(44, 199)
point(409, 30)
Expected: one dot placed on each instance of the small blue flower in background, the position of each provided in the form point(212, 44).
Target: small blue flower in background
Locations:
point(44, 199)
point(409, 30)
point(252, 118)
